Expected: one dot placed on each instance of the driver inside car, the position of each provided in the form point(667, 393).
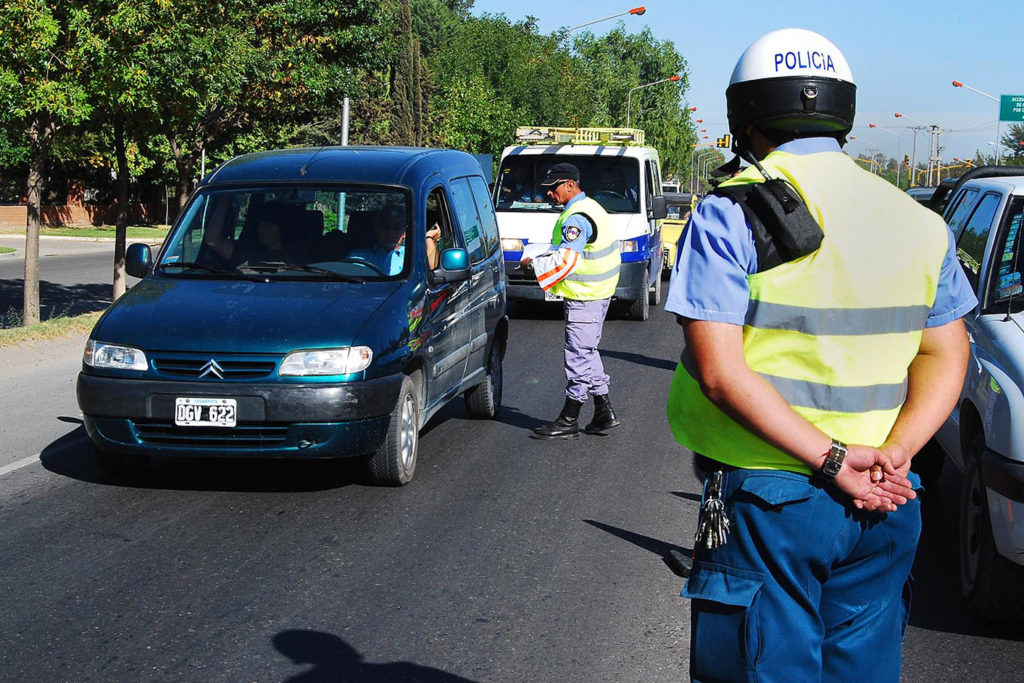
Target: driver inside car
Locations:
point(388, 252)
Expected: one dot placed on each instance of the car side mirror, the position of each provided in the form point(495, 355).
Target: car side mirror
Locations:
point(658, 208)
point(454, 266)
point(138, 260)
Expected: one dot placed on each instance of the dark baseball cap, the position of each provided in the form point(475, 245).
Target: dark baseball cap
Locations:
point(728, 168)
point(560, 172)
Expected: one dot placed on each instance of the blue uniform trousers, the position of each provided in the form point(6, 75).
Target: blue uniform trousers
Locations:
point(806, 588)
point(584, 371)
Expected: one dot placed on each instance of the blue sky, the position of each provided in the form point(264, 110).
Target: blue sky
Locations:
point(904, 57)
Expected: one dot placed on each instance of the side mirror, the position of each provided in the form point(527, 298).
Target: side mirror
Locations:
point(138, 260)
point(658, 208)
point(454, 266)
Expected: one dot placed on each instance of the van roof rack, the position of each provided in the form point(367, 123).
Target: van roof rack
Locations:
point(549, 135)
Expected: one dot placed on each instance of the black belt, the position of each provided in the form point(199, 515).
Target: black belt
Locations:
point(708, 465)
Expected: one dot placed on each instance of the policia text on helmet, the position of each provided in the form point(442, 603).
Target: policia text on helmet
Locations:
point(788, 84)
point(791, 83)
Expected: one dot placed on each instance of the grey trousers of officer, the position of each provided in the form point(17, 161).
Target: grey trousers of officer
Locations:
point(584, 372)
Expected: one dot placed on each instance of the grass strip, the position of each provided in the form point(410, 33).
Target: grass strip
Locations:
point(54, 328)
point(133, 232)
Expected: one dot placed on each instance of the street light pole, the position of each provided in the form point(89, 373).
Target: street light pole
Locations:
point(705, 168)
point(629, 95)
point(636, 11)
point(694, 163)
point(899, 143)
point(958, 84)
point(933, 143)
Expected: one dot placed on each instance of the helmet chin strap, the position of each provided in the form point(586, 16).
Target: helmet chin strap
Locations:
point(742, 147)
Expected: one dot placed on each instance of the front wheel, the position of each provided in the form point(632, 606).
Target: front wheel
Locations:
point(394, 463)
point(993, 586)
point(655, 291)
point(640, 309)
point(483, 402)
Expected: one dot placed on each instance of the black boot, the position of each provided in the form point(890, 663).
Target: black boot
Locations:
point(604, 416)
point(565, 426)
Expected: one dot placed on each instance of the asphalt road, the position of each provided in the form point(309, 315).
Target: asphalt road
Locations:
point(506, 559)
point(75, 276)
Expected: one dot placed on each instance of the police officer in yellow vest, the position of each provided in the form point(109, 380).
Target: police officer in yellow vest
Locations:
point(810, 377)
point(582, 266)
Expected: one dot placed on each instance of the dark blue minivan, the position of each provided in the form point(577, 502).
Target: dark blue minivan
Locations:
point(308, 303)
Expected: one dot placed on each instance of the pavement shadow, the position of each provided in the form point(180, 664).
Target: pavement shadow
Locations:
point(937, 603)
point(671, 554)
point(695, 497)
point(72, 456)
point(332, 660)
point(54, 300)
point(639, 359)
point(508, 415)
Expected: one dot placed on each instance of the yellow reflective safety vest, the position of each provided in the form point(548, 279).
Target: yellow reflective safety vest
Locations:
point(598, 272)
point(835, 331)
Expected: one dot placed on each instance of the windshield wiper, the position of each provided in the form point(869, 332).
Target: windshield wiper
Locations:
point(203, 266)
point(277, 266)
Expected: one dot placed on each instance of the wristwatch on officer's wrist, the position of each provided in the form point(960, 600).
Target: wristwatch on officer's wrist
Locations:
point(833, 461)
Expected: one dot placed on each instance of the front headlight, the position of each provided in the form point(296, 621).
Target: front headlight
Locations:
point(509, 244)
point(343, 361)
point(100, 355)
point(627, 246)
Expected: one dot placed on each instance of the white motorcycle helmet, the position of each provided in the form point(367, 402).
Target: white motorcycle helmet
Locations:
point(791, 83)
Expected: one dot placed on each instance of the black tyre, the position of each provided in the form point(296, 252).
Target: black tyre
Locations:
point(640, 309)
point(655, 292)
point(120, 465)
point(992, 585)
point(394, 463)
point(483, 402)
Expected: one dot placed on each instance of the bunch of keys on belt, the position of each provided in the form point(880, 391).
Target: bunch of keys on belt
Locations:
point(713, 524)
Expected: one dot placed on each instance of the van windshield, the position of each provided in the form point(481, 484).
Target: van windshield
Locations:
point(613, 181)
point(352, 234)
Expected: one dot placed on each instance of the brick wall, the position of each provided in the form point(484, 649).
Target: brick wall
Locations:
point(79, 216)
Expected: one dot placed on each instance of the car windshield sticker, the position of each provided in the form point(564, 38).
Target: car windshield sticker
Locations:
point(1009, 285)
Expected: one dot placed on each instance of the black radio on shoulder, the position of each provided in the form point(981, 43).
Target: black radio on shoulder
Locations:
point(783, 227)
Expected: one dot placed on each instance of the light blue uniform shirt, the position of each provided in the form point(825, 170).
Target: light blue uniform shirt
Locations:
point(576, 239)
point(716, 253)
point(390, 261)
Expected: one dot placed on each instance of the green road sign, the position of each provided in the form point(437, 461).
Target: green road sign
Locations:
point(1011, 108)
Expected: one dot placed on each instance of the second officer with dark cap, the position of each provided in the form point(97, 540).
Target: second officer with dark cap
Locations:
point(581, 265)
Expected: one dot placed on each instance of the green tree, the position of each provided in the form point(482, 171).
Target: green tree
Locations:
point(405, 93)
point(1013, 140)
point(124, 98)
point(619, 61)
point(495, 75)
point(43, 65)
point(243, 65)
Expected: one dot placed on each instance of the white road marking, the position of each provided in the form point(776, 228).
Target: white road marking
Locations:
point(24, 462)
point(6, 469)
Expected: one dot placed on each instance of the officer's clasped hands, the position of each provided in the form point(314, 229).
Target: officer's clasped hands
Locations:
point(875, 479)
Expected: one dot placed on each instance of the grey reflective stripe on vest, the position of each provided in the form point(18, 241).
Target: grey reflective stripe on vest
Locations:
point(607, 251)
point(822, 322)
point(804, 394)
point(839, 399)
point(594, 277)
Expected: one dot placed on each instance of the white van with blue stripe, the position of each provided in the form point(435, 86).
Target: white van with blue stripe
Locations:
point(616, 170)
